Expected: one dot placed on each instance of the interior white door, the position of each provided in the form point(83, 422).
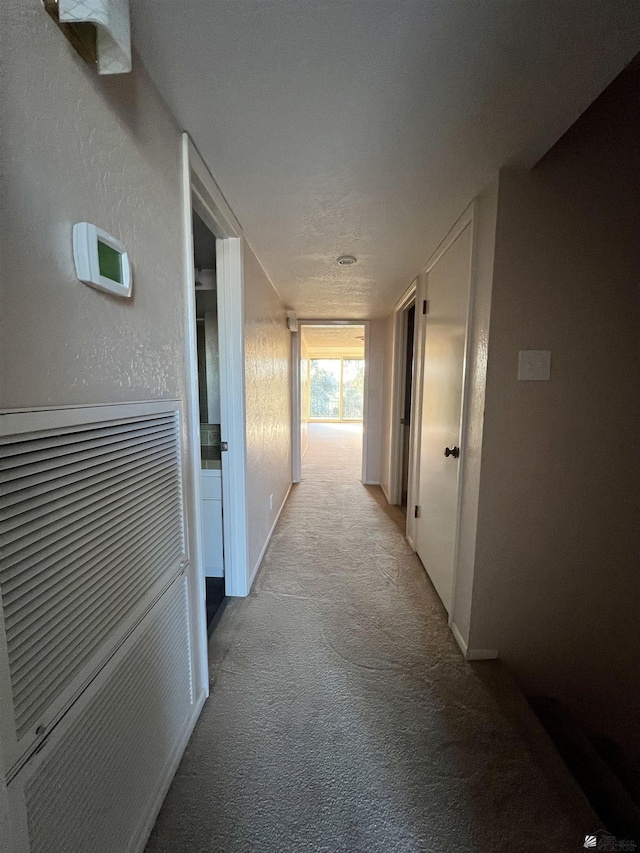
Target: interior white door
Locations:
point(448, 284)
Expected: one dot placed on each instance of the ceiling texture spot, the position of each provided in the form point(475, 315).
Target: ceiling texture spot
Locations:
point(347, 337)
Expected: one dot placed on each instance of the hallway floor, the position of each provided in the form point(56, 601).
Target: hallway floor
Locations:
point(342, 716)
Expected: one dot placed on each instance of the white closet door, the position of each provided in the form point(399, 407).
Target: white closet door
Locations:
point(448, 286)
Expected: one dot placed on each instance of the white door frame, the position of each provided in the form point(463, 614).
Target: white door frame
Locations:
point(413, 486)
point(201, 193)
point(296, 404)
point(398, 392)
point(468, 218)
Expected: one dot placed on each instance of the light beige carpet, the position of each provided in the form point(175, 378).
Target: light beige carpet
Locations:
point(342, 716)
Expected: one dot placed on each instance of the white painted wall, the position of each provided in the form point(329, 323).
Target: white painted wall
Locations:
point(77, 147)
point(558, 552)
point(268, 412)
point(386, 403)
point(549, 539)
point(375, 353)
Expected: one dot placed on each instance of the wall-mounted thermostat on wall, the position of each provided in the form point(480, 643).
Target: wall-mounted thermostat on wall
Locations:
point(101, 260)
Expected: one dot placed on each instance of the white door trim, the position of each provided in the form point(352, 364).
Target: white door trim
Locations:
point(413, 487)
point(468, 218)
point(201, 193)
point(232, 414)
point(295, 383)
point(364, 478)
point(192, 428)
point(397, 393)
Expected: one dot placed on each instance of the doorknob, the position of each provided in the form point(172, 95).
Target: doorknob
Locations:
point(452, 451)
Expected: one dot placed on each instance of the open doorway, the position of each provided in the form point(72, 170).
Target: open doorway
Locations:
point(332, 396)
point(215, 397)
point(406, 365)
point(207, 343)
point(409, 324)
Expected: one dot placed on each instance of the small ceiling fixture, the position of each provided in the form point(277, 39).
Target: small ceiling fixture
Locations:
point(347, 260)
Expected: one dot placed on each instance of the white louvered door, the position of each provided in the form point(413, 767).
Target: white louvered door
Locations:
point(92, 543)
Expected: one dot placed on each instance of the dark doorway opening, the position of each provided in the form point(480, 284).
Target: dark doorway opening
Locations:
point(410, 315)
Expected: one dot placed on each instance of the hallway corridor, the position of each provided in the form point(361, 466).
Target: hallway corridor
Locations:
point(342, 716)
point(335, 453)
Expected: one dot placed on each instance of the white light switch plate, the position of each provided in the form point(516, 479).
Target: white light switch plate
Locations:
point(534, 364)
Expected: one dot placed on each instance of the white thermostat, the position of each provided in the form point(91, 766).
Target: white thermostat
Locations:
point(101, 260)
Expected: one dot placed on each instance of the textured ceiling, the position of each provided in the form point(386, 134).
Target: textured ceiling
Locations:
point(348, 337)
point(366, 126)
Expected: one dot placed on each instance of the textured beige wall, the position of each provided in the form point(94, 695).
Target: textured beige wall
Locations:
point(373, 424)
point(268, 402)
point(79, 147)
point(557, 587)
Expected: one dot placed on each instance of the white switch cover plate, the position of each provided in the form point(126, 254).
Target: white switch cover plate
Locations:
point(534, 364)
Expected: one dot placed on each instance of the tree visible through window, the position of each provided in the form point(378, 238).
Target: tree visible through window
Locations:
point(352, 389)
point(336, 388)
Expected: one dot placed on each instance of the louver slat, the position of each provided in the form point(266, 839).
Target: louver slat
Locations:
point(55, 445)
point(34, 599)
point(91, 527)
point(30, 547)
point(89, 447)
point(92, 495)
point(30, 640)
point(50, 437)
point(21, 478)
point(33, 500)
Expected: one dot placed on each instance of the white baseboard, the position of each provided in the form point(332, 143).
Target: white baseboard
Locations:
point(471, 654)
point(268, 539)
point(370, 482)
point(138, 844)
point(459, 638)
point(482, 654)
point(385, 492)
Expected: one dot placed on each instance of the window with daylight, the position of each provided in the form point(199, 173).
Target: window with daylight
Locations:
point(336, 389)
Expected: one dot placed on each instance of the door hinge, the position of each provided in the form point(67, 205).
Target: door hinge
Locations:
point(224, 445)
point(416, 512)
point(425, 306)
